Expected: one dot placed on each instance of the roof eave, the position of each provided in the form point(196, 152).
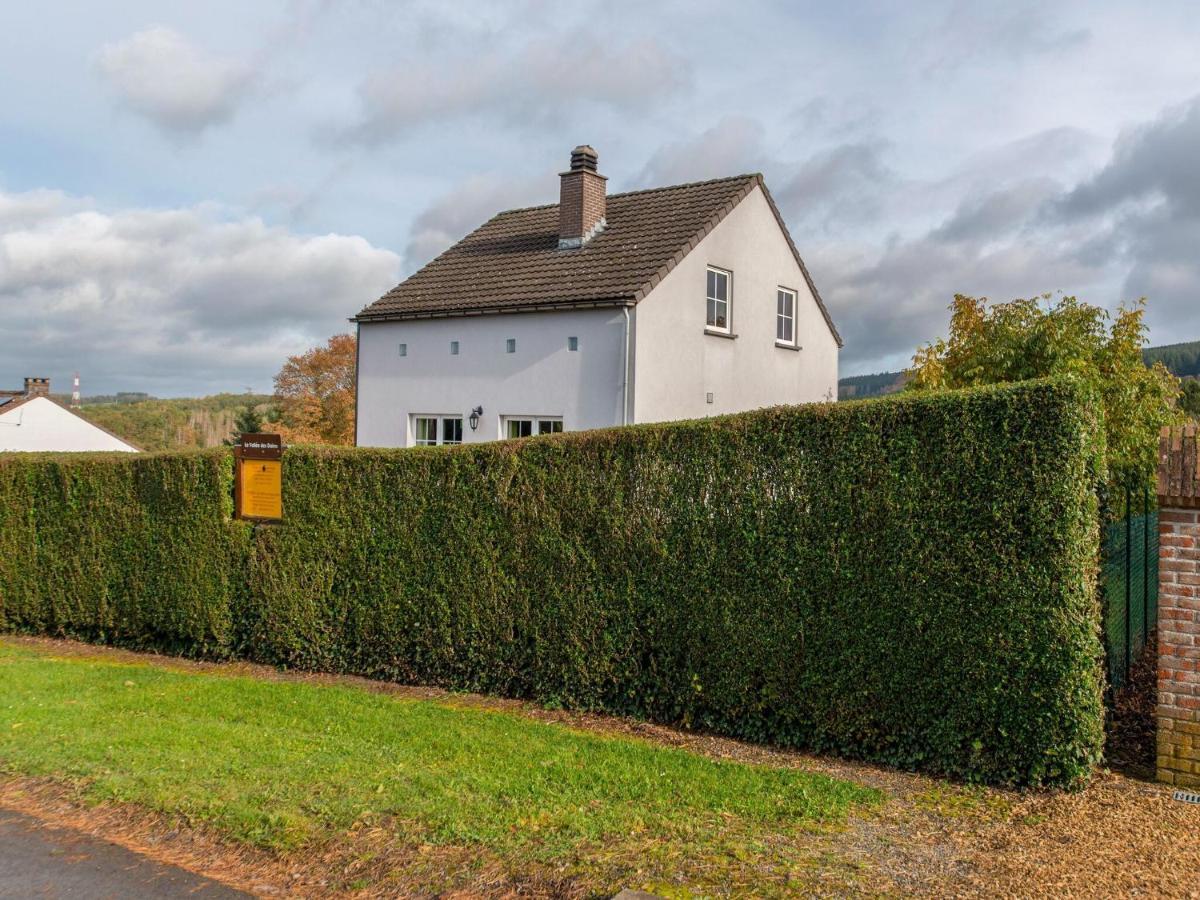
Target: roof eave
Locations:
point(553, 306)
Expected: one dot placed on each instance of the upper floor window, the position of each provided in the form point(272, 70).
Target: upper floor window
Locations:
point(718, 299)
point(785, 316)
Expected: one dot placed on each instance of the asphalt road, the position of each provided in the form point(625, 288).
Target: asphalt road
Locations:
point(40, 861)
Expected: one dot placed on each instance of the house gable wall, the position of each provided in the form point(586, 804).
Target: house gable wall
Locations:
point(678, 364)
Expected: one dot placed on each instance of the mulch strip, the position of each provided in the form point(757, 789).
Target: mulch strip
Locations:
point(1130, 740)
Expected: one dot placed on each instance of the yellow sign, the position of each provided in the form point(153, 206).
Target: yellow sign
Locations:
point(262, 488)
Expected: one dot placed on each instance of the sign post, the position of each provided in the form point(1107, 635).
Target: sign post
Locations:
point(258, 478)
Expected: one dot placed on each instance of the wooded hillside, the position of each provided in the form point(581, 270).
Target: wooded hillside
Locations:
point(175, 424)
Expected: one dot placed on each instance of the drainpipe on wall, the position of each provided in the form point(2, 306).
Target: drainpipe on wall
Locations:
point(625, 373)
point(357, 357)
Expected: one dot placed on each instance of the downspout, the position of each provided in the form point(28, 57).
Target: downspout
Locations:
point(357, 357)
point(625, 372)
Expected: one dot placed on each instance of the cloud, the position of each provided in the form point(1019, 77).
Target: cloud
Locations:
point(180, 300)
point(540, 82)
point(838, 185)
point(466, 207)
point(888, 302)
point(998, 213)
point(843, 185)
point(1144, 205)
point(1129, 229)
point(972, 33)
point(1152, 161)
point(733, 146)
point(178, 87)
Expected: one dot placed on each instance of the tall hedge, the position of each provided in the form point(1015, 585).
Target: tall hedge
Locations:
point(133, 550)
point(910, 580)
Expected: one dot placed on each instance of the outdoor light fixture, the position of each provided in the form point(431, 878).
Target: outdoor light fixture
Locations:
point(473, 421)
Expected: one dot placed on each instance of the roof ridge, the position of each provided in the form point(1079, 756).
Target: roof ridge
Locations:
point(665, 187)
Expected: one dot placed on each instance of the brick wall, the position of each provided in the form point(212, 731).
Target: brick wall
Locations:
point(1179, 647)
point(1179, 609)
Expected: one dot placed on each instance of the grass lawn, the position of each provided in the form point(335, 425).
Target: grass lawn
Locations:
point(292, 766)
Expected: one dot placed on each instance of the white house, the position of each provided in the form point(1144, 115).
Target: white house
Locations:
point(31, 421)
point(669, 303)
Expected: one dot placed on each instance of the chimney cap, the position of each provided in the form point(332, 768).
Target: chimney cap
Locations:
point(584, 159)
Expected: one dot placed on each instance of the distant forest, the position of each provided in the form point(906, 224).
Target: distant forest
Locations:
point(1182, 360)
point(175, 424)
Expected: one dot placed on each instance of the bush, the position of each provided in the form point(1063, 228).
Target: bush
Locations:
point(131, 550)
point(910, 580)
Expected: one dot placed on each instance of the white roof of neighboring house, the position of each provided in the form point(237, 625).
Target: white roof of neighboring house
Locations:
point(35, 423)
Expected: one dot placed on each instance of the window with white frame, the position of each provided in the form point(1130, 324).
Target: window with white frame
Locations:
point(528, 426)
point(718, 299)
point(785, 316)
point(431, 431)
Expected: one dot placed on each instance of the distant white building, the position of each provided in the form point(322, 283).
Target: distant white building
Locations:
point(31, 421)
point(670, 303)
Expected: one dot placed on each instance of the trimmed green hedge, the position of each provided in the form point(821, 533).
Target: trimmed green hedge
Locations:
point(134, 550)
point(910, 580)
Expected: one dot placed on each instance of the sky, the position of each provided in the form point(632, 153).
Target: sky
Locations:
point(189, 193)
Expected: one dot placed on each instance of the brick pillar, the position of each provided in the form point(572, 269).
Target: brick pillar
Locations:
point(1179, 609)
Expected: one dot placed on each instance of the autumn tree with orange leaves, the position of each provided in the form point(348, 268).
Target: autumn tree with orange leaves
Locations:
point(315, 393)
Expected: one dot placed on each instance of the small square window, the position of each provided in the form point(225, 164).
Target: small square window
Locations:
point(404, 349)
point(572, 343)
point(510, 346)
point(454, 348)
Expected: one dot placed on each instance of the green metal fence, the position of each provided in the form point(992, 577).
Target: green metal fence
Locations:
point(1129, 581)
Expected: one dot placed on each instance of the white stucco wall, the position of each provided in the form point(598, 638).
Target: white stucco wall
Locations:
point(678, 364)
point(42, 425)
point(543, 377)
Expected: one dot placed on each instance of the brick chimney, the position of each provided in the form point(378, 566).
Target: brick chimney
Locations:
point(37, 387)
point(581, 200)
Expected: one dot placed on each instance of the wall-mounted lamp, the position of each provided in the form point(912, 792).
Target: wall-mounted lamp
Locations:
point(473, 421)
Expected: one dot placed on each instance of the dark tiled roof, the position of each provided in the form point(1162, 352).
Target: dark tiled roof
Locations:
point(512, 262)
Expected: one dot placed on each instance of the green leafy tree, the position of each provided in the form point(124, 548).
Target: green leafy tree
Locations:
point(1189, 399)
point(1042, 336)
